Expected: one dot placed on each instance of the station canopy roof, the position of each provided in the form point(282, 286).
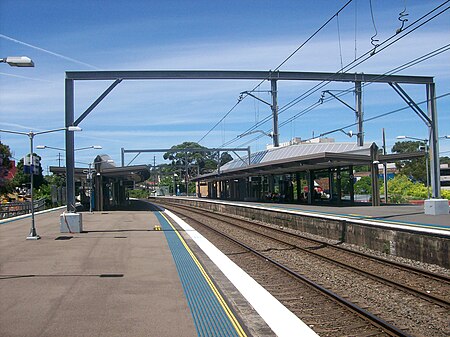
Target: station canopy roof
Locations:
point(300, 157)
point(107, 168)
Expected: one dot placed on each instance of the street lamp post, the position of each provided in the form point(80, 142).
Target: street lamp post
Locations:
point(33, 234)
point(175, 184)
point(425, 141)
point(89, 176)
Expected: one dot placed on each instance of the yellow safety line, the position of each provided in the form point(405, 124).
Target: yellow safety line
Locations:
point(219, 297)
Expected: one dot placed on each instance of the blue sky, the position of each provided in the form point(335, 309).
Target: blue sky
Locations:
point(208, 35)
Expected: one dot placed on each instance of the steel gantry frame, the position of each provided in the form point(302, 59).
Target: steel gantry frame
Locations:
point(272, 76)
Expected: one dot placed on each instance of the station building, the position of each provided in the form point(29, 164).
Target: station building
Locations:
point(315, 172)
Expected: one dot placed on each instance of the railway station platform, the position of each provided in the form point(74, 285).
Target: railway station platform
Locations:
point(397, 230)
point(135, 272)
point(412, 216)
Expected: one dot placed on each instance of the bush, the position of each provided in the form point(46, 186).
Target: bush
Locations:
point(445, 194)
point(401, 189)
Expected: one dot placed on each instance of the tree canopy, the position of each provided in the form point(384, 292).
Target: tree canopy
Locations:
point(412, 168)
point(5, 161)
point(201, 160)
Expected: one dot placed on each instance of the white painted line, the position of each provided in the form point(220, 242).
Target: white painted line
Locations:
point(282, 321)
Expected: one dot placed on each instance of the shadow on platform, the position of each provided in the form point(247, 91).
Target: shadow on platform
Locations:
point(136, 206)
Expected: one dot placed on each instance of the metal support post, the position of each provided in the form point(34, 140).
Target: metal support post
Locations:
point(374, 175)
point(33, 234)
point(385, 180)
point(122, 156)
point(70, 155)
point(359, 112)
point(434, 143)
point(427, 158)
point(90, 172)
point(186, 178)
point(274, 107)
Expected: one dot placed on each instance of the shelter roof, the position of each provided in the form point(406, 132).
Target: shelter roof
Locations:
point(300, 157)
point(136, 173)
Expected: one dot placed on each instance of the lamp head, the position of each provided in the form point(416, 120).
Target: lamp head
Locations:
point(19, 61)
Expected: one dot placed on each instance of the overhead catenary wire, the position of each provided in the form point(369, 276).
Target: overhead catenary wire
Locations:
point(339, 39)
point(277, 68)
point(402, 67)
point(367, 54)
point(373, 39)
point(380, 115)
point(353, 124)
point(395, 37)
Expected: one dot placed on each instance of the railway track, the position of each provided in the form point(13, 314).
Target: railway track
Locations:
point(300, 256)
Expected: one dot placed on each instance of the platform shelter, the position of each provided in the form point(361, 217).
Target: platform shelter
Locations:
point(104, 184)
point(309, 173)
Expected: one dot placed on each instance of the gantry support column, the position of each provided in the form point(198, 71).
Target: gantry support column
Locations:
point(434, 142)
point(359, 112)
point(274, 106)
point(70, 154)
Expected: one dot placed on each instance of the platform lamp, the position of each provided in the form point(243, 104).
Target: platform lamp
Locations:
point(33, 234)
point(18, 61)
point(43, 147)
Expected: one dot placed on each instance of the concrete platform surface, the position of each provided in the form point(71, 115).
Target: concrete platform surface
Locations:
point(412, 214)
point(116, 279)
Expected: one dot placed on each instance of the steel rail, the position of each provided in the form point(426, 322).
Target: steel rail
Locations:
point(426, 296)
point(373, 319)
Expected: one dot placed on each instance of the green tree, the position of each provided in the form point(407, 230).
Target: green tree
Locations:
point(5, 162)
point(413, 168)
point(45, 189)
point(363, 186)
point(206, 161)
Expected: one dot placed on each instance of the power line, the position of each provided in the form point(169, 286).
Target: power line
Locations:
point(348, 67)
point(395, 70)
point(215, 125)
point(277, 68)
point(404, 66)
point(369, 54)
point(353, 124)
point(381, 115)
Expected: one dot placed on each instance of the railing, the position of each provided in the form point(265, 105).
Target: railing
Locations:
point(12, 209)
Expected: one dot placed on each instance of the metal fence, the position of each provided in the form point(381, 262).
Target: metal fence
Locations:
point(12, 209)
